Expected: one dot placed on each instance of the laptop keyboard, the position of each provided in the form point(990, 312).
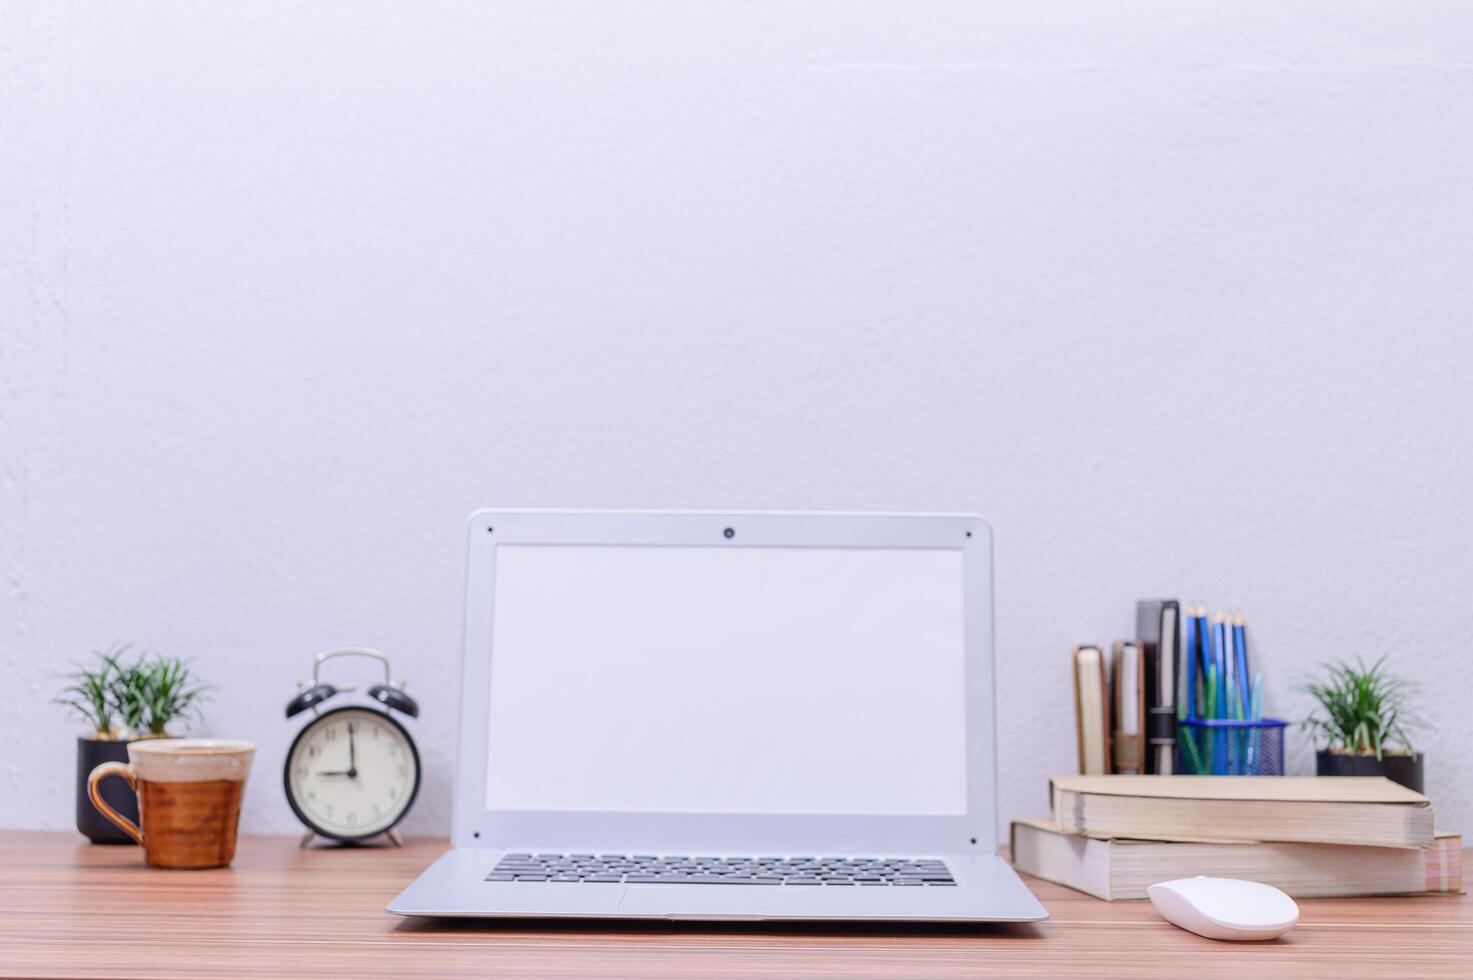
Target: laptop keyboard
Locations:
point(647, 869)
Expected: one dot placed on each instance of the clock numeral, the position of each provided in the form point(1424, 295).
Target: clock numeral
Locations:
point(330, 734)
point(301, 772)
point(311, 794)
point(313, 751)
point(393, 794)
point(403, 770)
point(378, 811)
point(393, 750)
point(352, 819)
point(329, 809)
point(374, 731)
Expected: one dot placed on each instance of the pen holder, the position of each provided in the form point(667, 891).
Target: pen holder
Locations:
point(1216, 747)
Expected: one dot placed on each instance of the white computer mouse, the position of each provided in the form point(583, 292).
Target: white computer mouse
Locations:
point(1225, 908)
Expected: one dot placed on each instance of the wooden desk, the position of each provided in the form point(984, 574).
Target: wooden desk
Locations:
point(75, 910)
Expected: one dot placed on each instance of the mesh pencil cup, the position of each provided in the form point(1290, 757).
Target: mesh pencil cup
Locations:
point(1220, 747)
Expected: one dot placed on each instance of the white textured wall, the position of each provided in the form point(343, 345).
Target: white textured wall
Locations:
point(1178, 294)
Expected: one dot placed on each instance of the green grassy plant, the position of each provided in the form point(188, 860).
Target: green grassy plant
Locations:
point(144, 695)
point(167, 691)
point(89, 696)
point(1362, 710)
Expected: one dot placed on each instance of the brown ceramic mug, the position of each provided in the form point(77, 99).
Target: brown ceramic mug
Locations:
point(189, 792)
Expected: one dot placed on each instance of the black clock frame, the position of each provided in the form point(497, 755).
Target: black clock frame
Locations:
point(286, 774)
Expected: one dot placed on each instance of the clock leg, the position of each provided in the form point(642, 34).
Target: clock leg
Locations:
point(306, 839)
point(394, 838)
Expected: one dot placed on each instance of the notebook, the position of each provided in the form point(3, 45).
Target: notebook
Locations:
point(1128, 703)
point(1122, 868)
point(1368, 810)
point(1092, 710)
point(1158, 631)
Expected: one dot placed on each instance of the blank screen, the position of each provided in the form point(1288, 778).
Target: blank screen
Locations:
point(727, 680)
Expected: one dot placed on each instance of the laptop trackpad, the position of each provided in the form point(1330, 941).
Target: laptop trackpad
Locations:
point(750, 901)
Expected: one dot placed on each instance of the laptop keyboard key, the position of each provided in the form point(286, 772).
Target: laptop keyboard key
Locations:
point(674, 869)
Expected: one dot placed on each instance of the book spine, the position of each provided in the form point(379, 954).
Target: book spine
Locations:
point(1161, 731)
point(1443, 870)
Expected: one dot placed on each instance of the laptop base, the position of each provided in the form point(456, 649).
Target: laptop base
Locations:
point(986, 890)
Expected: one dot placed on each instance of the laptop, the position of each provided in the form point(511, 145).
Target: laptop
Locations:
point(742, 716)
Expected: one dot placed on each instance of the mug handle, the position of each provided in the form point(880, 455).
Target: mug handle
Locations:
point(98, 775)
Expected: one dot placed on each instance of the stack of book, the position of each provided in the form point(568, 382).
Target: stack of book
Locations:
point(1312, 837)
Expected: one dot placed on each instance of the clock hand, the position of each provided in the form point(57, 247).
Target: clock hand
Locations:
point(352, 755)
point(334, 772)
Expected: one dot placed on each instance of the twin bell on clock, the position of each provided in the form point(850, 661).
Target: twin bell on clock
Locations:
point(353, 772)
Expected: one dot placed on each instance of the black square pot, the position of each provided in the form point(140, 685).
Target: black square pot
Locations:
point(1404, 769)
point(91, 753)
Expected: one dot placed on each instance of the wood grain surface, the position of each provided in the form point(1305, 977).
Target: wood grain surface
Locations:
point(70, 909)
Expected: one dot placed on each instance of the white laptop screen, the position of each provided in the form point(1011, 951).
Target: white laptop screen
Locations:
point(770, 680)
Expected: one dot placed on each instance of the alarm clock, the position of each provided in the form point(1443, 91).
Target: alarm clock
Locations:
point(353, 772)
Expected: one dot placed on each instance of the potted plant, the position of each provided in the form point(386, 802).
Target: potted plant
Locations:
point(120, 703)
point(1363, 720)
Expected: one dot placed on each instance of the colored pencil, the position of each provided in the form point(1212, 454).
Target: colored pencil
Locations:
point(1191, 695)
point(1240, 638)
point(1230, 675)
point(1219, 658)
point(1212, 686)
point(1188, 709)
point(1204, 650)
point(1255, 713)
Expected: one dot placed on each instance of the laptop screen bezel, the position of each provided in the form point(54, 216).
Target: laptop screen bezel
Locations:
point(974, 831)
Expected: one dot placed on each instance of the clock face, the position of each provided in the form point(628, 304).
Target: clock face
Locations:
point(352, 773)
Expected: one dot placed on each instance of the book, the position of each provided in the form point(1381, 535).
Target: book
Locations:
point(1121, 868)
point(1092, 710)
point(1128, 707)
point(1369, 810)
point(1158, 634)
